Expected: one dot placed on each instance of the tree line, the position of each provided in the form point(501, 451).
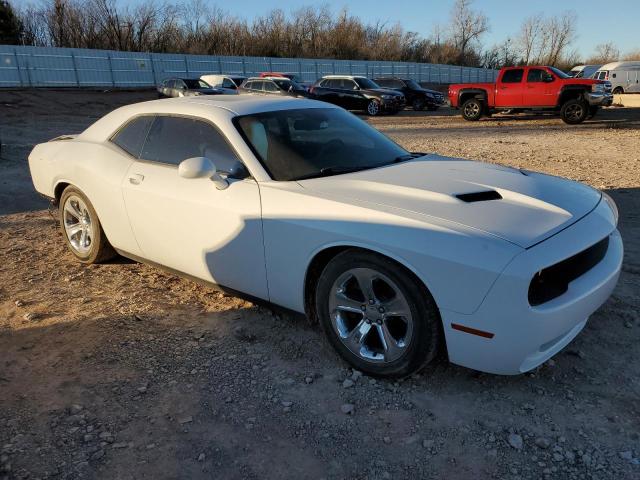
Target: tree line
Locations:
point(196, 27)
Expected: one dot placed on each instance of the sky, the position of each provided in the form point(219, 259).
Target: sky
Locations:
point(598, 21)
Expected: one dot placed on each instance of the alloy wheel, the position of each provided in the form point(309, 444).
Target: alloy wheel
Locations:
point(373, 108)
point(370, 315)
point(574, 112)
point(78, 224)
point(472, 109)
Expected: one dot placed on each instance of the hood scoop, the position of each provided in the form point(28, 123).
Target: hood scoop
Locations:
point(483, 196)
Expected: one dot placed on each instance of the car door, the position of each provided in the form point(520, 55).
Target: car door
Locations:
point(540, 90)
point(187, 224)
point(510, 88)
point(328, 90)
point(229, 87)
point(352, 98)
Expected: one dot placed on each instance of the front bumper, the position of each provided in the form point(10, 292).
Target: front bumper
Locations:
point(393, 104)
point(599, 99)
point(526, 336)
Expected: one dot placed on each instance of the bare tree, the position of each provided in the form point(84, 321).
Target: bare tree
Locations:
point(467, 27)
point(604, 53)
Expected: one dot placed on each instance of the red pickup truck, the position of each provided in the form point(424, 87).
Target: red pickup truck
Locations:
point(532, 88)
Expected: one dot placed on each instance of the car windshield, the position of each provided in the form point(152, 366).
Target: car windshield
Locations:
point(366, 83)
point(559, 72)
point(285, 84)
point(413, 84)
point(315, 142)
point(195, 83)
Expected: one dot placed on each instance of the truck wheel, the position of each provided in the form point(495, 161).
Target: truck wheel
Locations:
point(574, 111)
point(618, 91)
point(472, 109)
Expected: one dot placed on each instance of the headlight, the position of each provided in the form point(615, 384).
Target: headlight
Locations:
point(612, 206)
point(387, 97)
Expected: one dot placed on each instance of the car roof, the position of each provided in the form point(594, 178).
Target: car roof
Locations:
point(244, 104)
point(201, 106)
point(351, 77)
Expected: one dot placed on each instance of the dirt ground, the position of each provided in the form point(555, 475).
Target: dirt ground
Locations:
point(122, 371)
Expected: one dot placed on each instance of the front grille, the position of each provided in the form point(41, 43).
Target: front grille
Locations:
point(553, 281)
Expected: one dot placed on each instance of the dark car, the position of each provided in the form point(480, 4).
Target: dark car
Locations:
point(273, 86)
point(185, 87)
point(418, 97)
point(357, 93)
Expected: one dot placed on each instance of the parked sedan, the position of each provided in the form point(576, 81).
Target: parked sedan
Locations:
point(185, 87)
point(273, 86)
point(397, 255)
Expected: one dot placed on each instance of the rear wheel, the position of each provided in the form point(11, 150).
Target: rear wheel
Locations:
point(373, 108)
point(81, 228)
point(377, 316)
point(574, 111)
point(618, 90)
point(472, 109)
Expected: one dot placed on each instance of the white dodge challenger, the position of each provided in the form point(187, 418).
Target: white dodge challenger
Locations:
point(398, 255)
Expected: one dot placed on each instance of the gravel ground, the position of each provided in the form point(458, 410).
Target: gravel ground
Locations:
point(123, 371)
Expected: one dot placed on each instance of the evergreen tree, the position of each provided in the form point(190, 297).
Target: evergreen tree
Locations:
point(10, 25)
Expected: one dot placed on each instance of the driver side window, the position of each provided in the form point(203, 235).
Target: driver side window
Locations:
point(174, 139)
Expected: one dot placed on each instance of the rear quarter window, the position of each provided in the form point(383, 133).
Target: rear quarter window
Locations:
point(132, 136)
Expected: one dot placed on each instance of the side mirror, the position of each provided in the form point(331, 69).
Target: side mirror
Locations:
point(196, 167)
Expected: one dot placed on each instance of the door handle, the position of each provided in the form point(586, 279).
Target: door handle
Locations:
point(136, 179)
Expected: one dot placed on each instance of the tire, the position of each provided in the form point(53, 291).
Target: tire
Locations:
point(618, 91)
point(472, 109)
point(355, 323)
point(373, 108)
point(418, 104)
point(574, 111)
point(81, 228)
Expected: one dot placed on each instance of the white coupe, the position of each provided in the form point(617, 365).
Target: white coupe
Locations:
point(398, 255)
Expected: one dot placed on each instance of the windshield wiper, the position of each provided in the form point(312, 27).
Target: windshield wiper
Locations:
point(408, 156)
point(335, 170)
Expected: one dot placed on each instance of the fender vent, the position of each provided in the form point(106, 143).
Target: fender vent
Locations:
point(479, 196)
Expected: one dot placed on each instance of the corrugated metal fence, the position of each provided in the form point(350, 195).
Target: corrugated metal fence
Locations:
point(25, 66)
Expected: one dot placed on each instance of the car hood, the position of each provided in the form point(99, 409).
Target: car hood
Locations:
point(532, 207)
point(385, 91)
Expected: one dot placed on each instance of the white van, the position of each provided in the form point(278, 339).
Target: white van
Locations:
point(624, 76)
point(583, 71)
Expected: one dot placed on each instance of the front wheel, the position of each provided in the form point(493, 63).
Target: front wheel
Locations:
point(373, 108)
point(472, 109)
point(81, 228)
point(574, 111)
point(418, 105)
point(377, 315)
